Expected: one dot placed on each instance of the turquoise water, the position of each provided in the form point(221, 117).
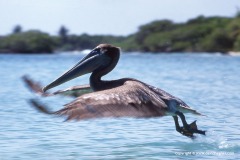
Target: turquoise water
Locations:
point(208, 83)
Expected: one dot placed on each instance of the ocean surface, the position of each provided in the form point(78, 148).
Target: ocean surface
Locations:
point(208, 83)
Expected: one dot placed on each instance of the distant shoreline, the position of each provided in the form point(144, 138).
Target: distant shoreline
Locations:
point(198, 35)
point(231, 53)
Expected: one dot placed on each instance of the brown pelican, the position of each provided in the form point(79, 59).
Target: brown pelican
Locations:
point(125, 97)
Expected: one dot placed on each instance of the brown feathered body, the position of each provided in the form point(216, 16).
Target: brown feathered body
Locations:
point(131, 99)
point(117, 98)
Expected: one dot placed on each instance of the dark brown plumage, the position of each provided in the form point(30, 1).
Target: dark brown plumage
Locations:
point(118, 98)
point(131, 99)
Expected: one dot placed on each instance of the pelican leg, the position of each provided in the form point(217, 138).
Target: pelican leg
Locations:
point(187, 129)
point(182, 130)
point(178, 128)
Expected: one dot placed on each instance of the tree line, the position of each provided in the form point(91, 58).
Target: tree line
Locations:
point(200, 34)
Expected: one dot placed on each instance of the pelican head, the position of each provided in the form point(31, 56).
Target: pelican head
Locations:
point(101, 59)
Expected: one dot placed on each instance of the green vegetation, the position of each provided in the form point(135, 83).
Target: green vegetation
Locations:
point(201, 34)
point(213, 34)
point(27, 42)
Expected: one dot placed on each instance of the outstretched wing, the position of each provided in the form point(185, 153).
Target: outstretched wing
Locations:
point(75, 91)
point(129, 100)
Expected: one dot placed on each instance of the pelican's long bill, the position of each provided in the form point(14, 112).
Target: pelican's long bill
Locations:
point(95, 59)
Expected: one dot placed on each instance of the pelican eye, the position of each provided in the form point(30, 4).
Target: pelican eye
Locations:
point(95, 51)
point(103, 50)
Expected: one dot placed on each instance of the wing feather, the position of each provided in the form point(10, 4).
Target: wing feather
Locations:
point(132, 99)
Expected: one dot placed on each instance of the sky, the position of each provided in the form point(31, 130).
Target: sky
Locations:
point(104, 17)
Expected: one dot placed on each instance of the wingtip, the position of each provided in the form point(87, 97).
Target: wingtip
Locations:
point(26, 80)
point(35, 87)
point(25, 76)
point(40, 107)
point(32, 85)
point(200, 114)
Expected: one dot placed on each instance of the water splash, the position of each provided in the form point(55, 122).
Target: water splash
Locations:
point(216, 141)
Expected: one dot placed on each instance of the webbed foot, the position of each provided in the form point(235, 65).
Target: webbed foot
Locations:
point(189, 129)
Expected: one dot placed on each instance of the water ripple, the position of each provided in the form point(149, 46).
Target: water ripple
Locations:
point(208, 83)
